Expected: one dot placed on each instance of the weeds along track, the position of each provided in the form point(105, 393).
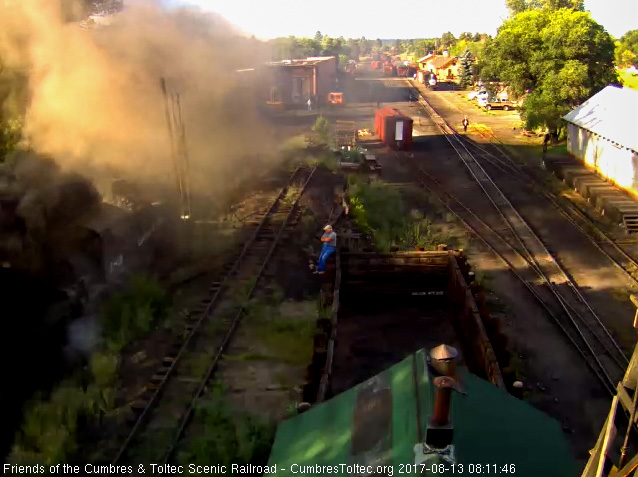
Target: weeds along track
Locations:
point(514, 241)
point(165, 409)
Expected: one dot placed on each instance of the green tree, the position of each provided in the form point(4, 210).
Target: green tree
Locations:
point(627, 49)
point(561, 57)
point(379, 43)
point(518, 6)
point(364, 46)
point(355, 48)
point(465, 71)
point(318, 37)
point(447, 40)
point(285, 48)
point(309, 46)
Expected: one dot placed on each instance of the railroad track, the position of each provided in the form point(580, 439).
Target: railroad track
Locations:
point(164, 411)
point(606, 244)
point(515, 242)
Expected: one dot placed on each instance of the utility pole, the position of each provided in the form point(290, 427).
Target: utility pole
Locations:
point(182, 154)
point(177, 137)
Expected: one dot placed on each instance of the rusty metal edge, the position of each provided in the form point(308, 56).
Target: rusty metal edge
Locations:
point(324, 383)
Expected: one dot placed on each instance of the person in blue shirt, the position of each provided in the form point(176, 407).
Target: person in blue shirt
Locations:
point(329, 240)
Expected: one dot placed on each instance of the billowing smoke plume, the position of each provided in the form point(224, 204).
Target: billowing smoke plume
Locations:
point(95, 103)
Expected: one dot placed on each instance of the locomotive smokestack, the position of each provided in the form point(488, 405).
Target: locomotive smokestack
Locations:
point(440, 431)
point(442, 400)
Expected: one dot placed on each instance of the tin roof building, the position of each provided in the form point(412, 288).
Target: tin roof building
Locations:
point(602, 133)
point(611, 114)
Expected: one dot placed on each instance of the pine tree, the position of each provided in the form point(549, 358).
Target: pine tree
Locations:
point(465, 72)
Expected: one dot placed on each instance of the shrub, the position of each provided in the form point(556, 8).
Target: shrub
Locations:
point(322, 128)
point(130, 313)
point(379, 210)
point(48, 433)
point(228, 436)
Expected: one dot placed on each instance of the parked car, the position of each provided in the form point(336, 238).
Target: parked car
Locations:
point(496, 103)
point(477, 94)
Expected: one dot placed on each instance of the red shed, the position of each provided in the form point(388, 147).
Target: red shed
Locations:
point(393, 128)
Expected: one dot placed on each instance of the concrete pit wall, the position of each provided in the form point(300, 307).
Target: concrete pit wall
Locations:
point(441, 275)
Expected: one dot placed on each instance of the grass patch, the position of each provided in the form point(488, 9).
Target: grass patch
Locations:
point(198, 363)
point(55, 423)
point(52, 425)
point(291, 195)
point(294, 144)
point(379, 210)
point(227, 436)
point(628, 80)
point(326, 160)
point(131, 313)
point(560, 149)
point(285, 330)
point(480, 129)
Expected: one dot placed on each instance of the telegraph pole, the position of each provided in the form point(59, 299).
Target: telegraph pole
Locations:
point(183, 156)
point(177, 137)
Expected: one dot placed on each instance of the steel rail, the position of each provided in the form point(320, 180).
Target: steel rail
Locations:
point(566, 209)
point(206, 315)
point(529, 181)
point(512, 268)
point(229, 334)
point(485, 182)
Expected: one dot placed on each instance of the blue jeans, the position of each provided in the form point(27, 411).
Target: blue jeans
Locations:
point(326, 251)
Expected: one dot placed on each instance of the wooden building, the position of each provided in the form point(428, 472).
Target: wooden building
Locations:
point(445, 67)
point(602, 132)
point(293, 82)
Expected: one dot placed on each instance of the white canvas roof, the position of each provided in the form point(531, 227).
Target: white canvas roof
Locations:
point(612, 113)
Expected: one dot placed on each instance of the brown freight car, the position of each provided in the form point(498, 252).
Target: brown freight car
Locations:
point(393, 128)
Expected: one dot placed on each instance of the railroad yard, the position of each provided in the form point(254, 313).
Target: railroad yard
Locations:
point(561, 298)
point(568, 374)
point(217, 324)
point(248, 323)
